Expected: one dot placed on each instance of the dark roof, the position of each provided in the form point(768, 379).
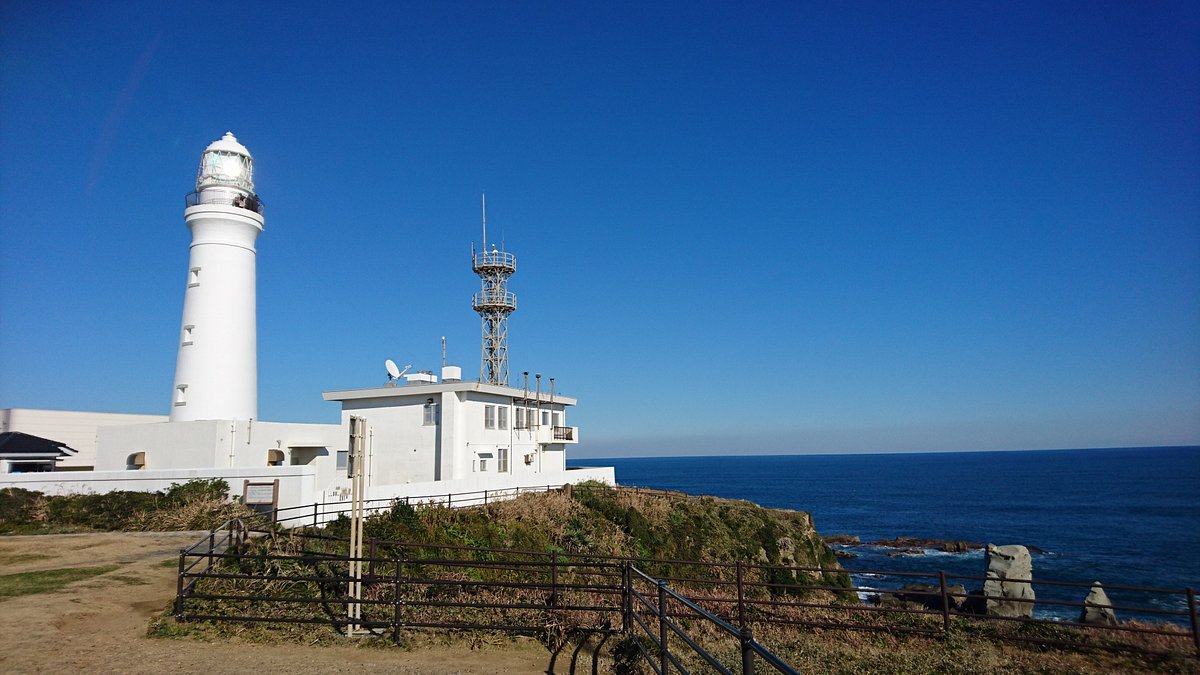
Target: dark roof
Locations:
point(18, 443)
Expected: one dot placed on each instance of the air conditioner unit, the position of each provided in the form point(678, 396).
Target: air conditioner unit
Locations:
point(529, 458)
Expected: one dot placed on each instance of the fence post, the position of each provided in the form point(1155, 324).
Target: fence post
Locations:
point(747, 636)
point(741, 598)
point(314, 514)
point(1191, 595)
point(485, 497)
point(396, 600)
point(179, 587)
point(664, 662)
point(450, 500)
point(626, 596)
point(371, 562)
point(554, 578)
point(212, 544)
point(945, 603)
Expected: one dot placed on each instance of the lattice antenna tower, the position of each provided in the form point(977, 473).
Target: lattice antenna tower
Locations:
point(494, 302)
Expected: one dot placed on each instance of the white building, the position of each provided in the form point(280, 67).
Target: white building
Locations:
point(216, 371)
point(462, 432)
point(424, 438)
point(78, 430)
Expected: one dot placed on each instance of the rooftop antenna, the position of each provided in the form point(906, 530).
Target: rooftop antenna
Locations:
point(494, 302)
point(443, 351)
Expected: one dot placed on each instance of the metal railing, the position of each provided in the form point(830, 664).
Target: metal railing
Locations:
point(494, 259)
point(411, 585)
point(564, 433)
point(659, 612)
point(248, 202)
point(506, 299)
point(323, 512)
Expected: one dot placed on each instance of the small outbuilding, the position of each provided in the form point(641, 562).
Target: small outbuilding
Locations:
point(24, 453)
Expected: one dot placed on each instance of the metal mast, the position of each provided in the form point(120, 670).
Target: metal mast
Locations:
point(494, 302)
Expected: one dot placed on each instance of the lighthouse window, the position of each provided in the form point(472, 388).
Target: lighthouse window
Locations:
point(194, 277)
point(187, 334)
point(181, 395)
point(489, 417)
point(503, 417)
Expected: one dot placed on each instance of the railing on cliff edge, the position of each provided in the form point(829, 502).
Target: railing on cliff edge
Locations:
point(553, 585)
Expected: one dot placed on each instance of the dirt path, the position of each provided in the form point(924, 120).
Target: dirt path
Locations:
point(98, 625)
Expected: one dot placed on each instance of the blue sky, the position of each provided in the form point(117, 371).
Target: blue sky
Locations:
point(742, 227)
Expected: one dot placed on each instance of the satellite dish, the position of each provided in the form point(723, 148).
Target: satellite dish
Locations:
point(393, 371)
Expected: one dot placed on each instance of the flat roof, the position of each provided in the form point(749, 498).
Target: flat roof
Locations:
point(425, 389)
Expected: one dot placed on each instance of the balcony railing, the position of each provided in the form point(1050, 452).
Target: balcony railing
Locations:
point(248, 202)
point(495, 260)
point(492, 299)
point(564, 433)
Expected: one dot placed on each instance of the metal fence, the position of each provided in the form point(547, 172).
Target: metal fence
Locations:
point(668, 607)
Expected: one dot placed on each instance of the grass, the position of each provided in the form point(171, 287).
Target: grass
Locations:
point(16, 558)
point(46, 581)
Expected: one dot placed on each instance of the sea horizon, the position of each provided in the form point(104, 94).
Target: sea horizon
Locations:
point(1194, 446)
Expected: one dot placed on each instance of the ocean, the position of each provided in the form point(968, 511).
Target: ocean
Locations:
point(1127, 516)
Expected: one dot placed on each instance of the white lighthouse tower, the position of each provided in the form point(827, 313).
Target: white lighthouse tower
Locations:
point(216, 372)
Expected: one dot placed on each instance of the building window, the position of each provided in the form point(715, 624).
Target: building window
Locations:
point(194, 277)
point(503, 413)
point(520, 419)
point(545, 418)
point(557, 419)
point(343, 459)
point(181, 395)
point(187, 334)
point(502, 460)
point(430, 417)
point(489, 417)
point(483, 465)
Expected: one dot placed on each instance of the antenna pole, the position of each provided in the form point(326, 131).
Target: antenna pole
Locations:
point(443, 351)
point(494, 303)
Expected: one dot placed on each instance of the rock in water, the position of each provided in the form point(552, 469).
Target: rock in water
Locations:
point(1004, 563)
point(1097, 608)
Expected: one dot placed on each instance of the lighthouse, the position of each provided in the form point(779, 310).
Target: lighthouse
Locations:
point(216, 371)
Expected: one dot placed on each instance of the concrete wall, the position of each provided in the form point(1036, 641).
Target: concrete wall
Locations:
point(297, 484)
point(399, 448)
point(216, 444)
point(78, 429)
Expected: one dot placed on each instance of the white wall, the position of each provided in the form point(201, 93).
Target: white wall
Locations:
point(218, 365)
point(400, 448)
point(297, 484)
point(467, 492)
point(77, 429)
point(213, 443)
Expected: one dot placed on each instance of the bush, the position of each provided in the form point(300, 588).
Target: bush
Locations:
point(196, 504)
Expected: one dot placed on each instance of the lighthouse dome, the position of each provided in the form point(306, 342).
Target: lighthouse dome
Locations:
point(226, 163)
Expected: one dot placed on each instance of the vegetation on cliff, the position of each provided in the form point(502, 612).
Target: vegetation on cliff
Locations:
point(593, 519)
point(194, 505)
